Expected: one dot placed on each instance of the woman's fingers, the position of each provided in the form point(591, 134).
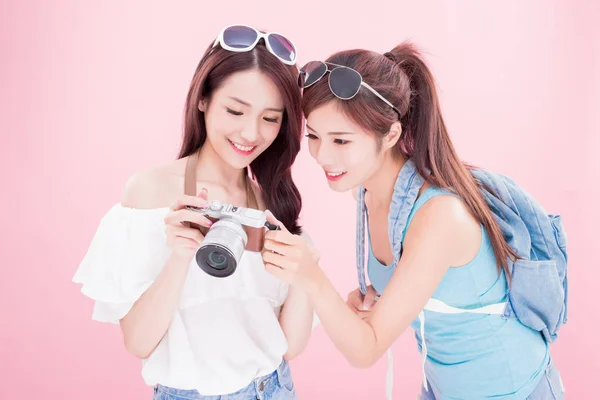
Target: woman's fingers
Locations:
point(280, 248)
point(192, 201)
point(191, 234)
point(184, 215)
point(369, 298)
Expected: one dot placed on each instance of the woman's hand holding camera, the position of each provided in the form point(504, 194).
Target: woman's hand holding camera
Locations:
point(291, 258)
point(183, 239)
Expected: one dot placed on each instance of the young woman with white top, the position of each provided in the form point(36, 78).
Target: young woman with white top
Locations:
point(201, 336)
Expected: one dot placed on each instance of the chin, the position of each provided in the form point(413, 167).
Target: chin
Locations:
point(237, 165)
point(339, 186)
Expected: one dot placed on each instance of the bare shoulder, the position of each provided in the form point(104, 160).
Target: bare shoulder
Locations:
point(154, 187)
point(444, 212)
point(445, 223)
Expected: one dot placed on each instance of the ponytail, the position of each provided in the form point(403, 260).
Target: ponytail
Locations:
point(425, 140)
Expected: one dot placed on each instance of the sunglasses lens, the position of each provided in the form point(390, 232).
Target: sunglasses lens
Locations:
point(311, 72)
point(282, 47)
point(239, 37)
point(344, 82)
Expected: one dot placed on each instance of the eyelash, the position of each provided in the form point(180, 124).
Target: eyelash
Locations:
point(237, 113)
point(310, 136)
point(230, 111)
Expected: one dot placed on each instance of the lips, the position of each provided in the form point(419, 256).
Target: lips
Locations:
point(334, 176)
point(241, 149)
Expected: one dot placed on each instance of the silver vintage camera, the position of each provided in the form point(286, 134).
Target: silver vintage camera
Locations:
point(235, 229)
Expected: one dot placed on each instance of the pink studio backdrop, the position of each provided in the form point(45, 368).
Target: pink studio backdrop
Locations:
point(92, 91)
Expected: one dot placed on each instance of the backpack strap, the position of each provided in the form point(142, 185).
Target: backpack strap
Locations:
point(406, 189)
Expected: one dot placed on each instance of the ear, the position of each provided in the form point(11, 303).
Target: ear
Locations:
point(202, 105)
point(393, 135)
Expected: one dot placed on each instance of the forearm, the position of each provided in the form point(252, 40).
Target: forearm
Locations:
point(425, 260)
point(296, 321)
point(148, 320)
point(351, 335)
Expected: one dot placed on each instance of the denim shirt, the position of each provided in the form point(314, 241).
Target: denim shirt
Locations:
point(538, 291)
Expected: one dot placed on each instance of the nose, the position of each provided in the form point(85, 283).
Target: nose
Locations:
point(250, 133)
point(323, 154)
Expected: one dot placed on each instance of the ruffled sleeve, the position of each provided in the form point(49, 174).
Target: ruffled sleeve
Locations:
point(124, 258)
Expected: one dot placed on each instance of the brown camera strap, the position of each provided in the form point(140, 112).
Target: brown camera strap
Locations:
point(190, 175)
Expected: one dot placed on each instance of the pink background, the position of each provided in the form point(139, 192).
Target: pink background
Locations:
point(92, 91)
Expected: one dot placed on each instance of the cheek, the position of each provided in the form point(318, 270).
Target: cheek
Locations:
point(359, 156)
point(269, 132)
point(313, 147)
point(220, 125)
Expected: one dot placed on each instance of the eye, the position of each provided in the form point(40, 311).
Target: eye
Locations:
point(273, 120)
point(340, 141)
point(230, 111)
point(311, 136)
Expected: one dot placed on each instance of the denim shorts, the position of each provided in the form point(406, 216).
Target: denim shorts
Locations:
point(278, 385)
point(549, 388)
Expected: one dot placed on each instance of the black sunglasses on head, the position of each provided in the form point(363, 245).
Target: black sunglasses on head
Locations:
point(344, 82)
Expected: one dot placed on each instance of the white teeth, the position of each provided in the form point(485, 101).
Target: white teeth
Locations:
point(243, 148)
point(334, 173)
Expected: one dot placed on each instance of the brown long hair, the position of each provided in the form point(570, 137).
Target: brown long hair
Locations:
point(272, 168)
point(403, 78)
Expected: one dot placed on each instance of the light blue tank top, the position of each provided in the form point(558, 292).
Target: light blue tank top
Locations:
point(472, 356)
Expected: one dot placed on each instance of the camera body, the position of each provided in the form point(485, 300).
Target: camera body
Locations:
point(234, 230)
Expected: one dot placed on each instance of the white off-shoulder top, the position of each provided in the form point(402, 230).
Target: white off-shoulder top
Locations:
point(225, 332)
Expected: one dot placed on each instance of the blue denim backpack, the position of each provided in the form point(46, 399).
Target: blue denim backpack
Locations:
point(537, 295)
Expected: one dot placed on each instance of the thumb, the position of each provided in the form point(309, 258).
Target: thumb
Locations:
point(274, 221)
point(203, 194)
point(369, 298)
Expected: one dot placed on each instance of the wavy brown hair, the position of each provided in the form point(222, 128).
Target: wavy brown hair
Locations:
point(403, 78)
point(272, 168)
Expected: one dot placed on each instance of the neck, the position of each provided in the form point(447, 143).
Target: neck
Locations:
point(212, 168)
point(380, 186)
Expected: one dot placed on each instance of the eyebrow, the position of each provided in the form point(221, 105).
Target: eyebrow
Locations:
point(330, 133)
point(245, 103)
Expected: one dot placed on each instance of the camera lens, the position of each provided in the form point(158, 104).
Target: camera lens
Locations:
point(222, 248)
point(217, 260)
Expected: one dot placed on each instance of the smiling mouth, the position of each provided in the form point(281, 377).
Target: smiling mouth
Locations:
point(334, 176)
point(241, 148)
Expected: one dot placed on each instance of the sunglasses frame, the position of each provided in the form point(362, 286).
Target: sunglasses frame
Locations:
point(362, 83)
point(259, 35)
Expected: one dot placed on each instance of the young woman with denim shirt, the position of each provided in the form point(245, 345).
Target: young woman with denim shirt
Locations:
point(202, 337)
point(371, 118)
